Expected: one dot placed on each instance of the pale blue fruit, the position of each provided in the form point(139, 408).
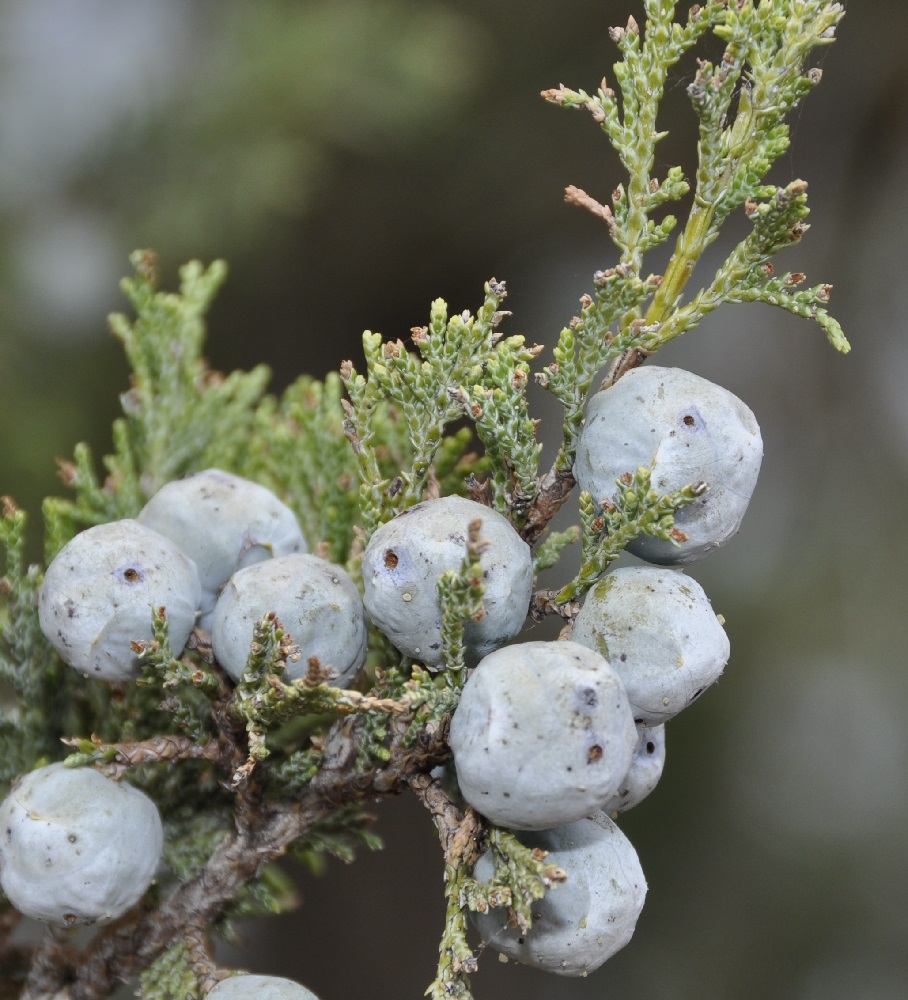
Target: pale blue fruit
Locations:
point(687, 430)
point(658, 630)
point(543, 735)
point(644, 774)
point(99, 592)
point(223, 523)
point(260, 988)
point(406, 557)
point(76, 847)
point(582, 922)
point(314, 600)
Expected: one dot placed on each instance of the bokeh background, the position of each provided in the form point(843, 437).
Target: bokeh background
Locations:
point(354, 159)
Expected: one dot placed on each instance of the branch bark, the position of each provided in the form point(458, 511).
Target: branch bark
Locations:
point(131, 944)
point(554, 489)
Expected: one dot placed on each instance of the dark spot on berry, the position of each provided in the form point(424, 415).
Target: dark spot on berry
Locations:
point(391, 559)
point(623, 657)
point(131, 575)
point(593, 754)
point(588, 697)
point(650, 746)
point(72, 838)
point(689, 420)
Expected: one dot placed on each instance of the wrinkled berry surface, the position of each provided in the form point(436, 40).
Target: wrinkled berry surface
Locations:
point(76, 847)
point(543, 735)
point(223, 523)
point(314, 600)
point(582, 922)
point(260, 988)
point(405, 558)
point(658, 630)
point(644, 773)
point(99, 592)
point(687, 430)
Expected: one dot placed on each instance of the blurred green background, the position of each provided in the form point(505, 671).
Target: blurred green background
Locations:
point(353, 160)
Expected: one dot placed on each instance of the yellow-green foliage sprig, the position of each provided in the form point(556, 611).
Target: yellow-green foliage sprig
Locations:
point(188, 686)
point(304, 456)
point(170, 975)
point(741, 101)
point(522, 876)
point(178, 414)
point(586, 344)
point(637, 509)
point(30, 726)
point(431, 388)
point(460, 595)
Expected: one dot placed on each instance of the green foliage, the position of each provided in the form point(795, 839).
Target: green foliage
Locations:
point(456, 960)
point(191, 837)
point(588, 343)
point(522, 875)
point(747, 275)
point(31, 707)
point(636, 510)
point(271, 893)
point(462, 367)
point(460, 598)
point(305, 458)
point(263, 700)
point(631, 125)
point(549, 550)
point(179, 416)
point(741, 102)
point(170, 975)
point(188, 686)
point(338, 836)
